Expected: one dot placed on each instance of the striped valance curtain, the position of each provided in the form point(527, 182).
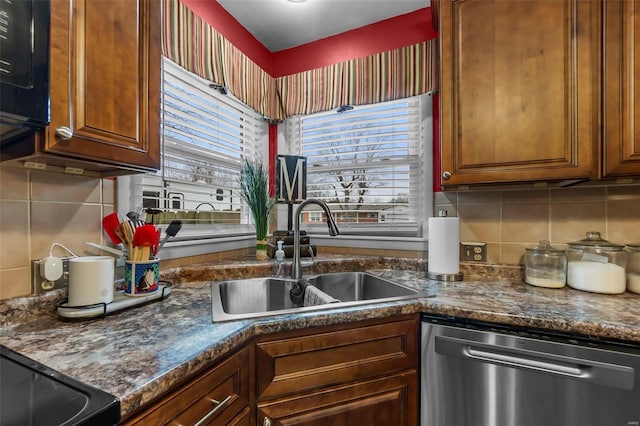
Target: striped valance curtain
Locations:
point(386, 76)
point(195, 45)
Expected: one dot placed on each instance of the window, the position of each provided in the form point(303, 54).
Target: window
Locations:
point(371, 164)
point(315, 216)
point(207, 136)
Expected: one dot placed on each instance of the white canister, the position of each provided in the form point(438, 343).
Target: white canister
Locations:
point(91, 280)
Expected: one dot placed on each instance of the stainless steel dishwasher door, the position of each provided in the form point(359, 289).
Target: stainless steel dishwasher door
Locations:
point(472, 376)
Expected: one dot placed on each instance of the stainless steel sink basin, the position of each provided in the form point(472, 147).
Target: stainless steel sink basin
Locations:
point(260, 297)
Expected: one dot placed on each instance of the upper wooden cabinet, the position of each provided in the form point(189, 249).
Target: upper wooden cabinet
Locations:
point(621, 88)
point(105, 90)
point(105, 81)
point(519, 90)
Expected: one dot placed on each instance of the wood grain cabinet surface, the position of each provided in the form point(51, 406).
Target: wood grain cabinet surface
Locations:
point(621, 88)
point(519, 90)
point(363, 373)
point(341, 375)
point(388, 401)
point(105, 86)
point(222, 395)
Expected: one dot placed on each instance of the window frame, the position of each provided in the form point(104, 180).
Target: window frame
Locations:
point(196, 239)
point(384, 235)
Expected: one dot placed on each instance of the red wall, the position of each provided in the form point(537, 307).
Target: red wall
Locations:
point(400, 31)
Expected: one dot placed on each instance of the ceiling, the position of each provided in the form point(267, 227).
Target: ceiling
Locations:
point(281, 24)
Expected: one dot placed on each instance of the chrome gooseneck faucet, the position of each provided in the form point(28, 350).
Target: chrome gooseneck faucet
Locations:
point(296, 267)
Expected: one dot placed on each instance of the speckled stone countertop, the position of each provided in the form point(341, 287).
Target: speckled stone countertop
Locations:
point(138, 354)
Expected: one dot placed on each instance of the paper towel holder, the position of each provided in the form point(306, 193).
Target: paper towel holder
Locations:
point(449, 277)
point(443, 277)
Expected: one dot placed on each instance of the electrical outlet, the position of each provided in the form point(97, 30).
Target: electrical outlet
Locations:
point(473, 252)
point(39, 285)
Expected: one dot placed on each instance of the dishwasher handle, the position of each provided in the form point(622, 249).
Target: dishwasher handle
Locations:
point(612, 375)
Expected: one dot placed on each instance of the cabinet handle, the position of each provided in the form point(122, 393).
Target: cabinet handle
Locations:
point(64, 133)
point(446, 175)
point(219, 406)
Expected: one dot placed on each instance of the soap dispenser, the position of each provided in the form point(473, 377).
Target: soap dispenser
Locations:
point(278, 265)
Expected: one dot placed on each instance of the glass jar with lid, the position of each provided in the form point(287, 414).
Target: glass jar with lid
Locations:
point(633, 267)
point(597, 265)
point(545, 266)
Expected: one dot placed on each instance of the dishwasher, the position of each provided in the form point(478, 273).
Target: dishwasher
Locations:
point(483, 374)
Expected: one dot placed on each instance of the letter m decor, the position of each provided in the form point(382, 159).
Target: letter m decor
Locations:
point(291, 179)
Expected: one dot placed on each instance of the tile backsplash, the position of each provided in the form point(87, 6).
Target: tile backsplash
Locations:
point(511, 220)
point(38, 209)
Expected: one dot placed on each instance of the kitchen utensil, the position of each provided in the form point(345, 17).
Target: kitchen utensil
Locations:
point(133, 215)
point(127, 230)
point(545, 266)
point(110, 250)
point(596, 265)
point(156, 246)
point(145, 237)
point(171, 231)
point(91, 280)
point(110, 223)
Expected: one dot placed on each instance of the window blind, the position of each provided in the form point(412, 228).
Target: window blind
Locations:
point(207, 136)
point(366, 163)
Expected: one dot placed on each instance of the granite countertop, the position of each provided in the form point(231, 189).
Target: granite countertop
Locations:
point(138, 354)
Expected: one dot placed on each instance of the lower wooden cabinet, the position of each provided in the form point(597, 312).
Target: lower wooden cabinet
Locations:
point(362, 373)
point(385, 401)
point(354, 374)
point(221, 395)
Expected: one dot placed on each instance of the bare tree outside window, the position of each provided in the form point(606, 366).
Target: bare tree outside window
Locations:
point(362, 161)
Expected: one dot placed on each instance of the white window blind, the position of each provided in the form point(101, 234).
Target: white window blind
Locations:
point(367, 164)
point(206, 138)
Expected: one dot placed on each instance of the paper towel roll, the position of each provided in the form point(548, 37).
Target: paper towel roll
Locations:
point(444, 245)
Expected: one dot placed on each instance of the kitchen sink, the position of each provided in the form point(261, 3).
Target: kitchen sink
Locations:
point(260, 297)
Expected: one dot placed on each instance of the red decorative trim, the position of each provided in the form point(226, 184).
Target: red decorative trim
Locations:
point(389, 34)
point(273, 152)
point(436, 143)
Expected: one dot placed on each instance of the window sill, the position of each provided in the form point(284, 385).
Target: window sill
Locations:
point(371, 242)
point(197, 247)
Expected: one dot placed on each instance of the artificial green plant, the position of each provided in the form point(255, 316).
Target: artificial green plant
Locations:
point(254, 184)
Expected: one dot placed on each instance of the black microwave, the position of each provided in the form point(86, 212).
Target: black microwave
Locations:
point(24, 67)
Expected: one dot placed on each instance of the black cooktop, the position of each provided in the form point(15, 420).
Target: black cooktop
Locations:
point(35, 395)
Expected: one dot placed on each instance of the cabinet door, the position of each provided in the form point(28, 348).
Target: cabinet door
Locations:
point(222, 395)
point(105, 81)
point(622, 88)
point(299, 362)
point(519, 90)
point(386, 401)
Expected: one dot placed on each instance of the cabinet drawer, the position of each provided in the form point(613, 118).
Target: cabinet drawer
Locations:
point(300, 362)
point(224, 388)
point(384, 401)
